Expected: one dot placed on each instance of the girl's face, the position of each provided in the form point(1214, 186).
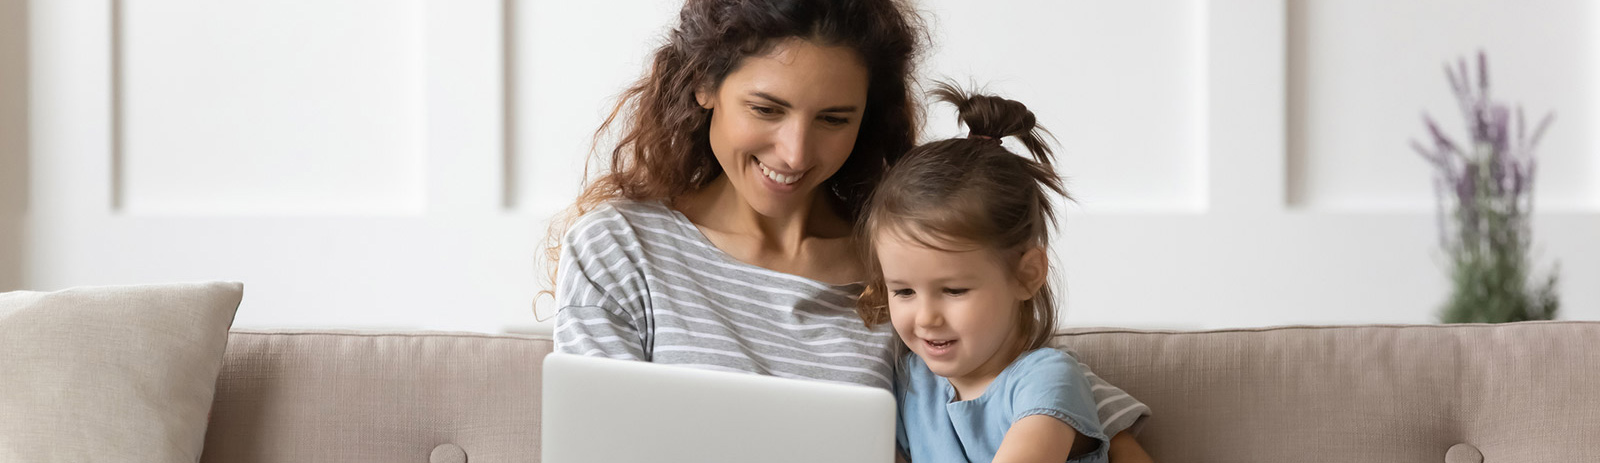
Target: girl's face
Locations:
point(959, 311)
point(784, 122)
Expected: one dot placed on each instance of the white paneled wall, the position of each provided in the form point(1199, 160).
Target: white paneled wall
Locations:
point(392, 164)
point(262, 107)
point(1081, 66)
point(569, 61)
point(1362, 71)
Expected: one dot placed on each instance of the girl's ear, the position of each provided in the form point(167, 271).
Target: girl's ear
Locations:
point(1032, 270)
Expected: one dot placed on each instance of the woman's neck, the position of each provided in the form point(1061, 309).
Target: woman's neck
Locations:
point(719, 207)
point(813, 243)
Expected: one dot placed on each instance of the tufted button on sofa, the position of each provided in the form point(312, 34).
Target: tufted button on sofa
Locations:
point(1463, 453)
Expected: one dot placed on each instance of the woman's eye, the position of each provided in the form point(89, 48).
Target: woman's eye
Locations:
point(955, 291)
point(763, 110)
point(902, 292)
point(835, 120)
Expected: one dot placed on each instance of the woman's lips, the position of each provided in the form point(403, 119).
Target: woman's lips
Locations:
point(776, 180)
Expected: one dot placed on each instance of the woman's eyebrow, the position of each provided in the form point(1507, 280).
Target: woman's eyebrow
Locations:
point(785, 103)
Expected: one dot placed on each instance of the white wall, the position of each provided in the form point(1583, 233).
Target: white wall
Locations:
point(382, 164)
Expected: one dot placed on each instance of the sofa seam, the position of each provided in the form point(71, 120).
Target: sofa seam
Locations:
point(428, 334)
point(1323, 327)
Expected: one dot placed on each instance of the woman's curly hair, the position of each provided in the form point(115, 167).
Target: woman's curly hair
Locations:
point(664, 151)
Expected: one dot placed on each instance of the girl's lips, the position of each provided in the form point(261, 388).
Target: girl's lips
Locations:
point(938, 349)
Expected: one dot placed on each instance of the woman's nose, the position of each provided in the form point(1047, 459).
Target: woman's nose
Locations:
point(794, 145)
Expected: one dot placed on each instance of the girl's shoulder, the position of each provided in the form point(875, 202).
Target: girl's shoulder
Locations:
point(1047, 359)
point(916, 370)
point(910, 361)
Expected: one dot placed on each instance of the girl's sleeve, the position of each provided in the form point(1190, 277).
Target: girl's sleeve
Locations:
point(1058, 386)
point(600, 292)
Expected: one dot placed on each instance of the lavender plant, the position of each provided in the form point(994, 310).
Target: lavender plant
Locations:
point(1484, 196)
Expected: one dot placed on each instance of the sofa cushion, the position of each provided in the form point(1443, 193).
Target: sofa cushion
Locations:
point(111, 373)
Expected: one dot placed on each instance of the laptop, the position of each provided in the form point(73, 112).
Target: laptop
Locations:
point(606, 410)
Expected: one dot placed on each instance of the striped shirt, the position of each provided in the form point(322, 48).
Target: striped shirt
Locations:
point(638, 281)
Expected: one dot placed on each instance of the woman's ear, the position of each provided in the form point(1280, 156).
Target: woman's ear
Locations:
point(1032, 270)
point(704, 97)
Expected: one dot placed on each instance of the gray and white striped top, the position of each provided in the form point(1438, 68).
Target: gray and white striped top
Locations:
point(638, 281)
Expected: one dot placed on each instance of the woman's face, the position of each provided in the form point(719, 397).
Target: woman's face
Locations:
point(783, 122)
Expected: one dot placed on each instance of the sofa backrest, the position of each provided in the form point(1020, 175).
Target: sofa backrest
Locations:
point(1523, 392)
point(1526, 392)
point(333, 396)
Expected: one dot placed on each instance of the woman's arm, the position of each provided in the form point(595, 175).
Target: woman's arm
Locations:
point(597, 291)
point(1119, 411)
point(1042, 438)
point(1125, 449)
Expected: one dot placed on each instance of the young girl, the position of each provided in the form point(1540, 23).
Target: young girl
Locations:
point(956, 239)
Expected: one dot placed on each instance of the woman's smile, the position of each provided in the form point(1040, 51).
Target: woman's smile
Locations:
point(785, 178)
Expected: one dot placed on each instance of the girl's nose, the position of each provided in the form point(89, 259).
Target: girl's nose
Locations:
point(929, 315)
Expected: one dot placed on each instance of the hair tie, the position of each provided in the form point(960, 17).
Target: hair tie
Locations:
point(974, 136)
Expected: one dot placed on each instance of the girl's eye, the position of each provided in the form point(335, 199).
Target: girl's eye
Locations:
point(835, 120)
point(955, 291)
point(902, 292)
point(763, 110)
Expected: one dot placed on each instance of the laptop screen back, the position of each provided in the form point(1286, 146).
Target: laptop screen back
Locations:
point(604, 410)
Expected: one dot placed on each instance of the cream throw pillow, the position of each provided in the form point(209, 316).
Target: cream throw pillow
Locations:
point(120, 373)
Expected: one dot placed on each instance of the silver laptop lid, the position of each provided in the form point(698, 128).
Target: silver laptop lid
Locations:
point(604, 410)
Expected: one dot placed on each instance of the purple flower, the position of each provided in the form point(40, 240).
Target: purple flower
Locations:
point(1484, 193)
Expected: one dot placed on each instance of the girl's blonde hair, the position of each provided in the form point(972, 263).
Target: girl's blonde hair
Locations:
point(969, 191)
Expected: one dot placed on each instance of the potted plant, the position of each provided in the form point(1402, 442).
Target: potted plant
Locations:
point(1484, 197)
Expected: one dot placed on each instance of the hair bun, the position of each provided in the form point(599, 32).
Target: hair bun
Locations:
point(994, 117)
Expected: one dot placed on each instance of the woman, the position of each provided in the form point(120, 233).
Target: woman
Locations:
point(720, 235)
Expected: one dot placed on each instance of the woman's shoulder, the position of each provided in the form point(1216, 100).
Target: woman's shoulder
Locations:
point(623, 208)
point(638, 209)
point(620, 216)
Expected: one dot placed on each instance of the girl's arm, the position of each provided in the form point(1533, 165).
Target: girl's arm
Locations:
point(1042, 438)
point(1125, 449)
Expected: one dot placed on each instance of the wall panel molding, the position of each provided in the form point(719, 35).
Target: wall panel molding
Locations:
point(268, 108)
point(1361, 72)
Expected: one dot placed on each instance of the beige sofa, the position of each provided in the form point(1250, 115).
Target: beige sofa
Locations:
point(1527, 392)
